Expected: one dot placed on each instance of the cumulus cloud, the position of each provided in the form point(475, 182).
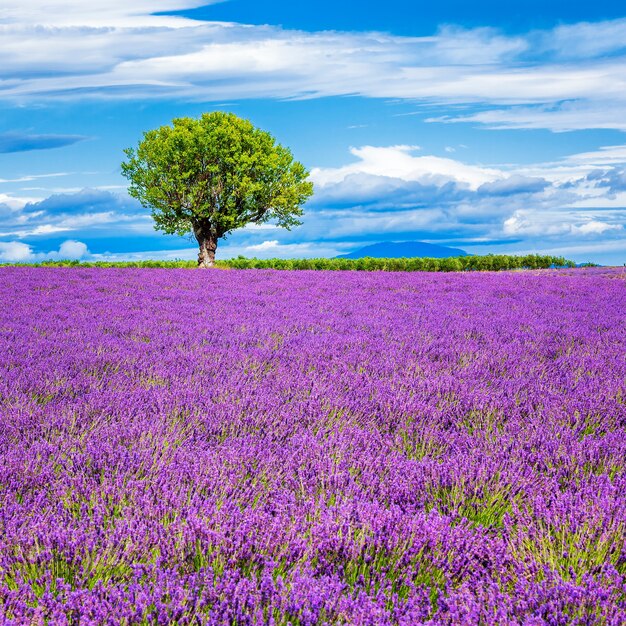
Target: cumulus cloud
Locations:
point(20, 252)
point(398, 162)
point(15, 251)
point(9, 203)
point(71, 249)
point(566, 78)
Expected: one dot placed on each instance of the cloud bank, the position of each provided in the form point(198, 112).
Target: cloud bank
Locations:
point(388, 192)
point(568, 78)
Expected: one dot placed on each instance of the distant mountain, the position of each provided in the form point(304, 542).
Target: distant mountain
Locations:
point(407, 249)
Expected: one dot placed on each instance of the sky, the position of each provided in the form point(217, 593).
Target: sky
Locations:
point(485, 126)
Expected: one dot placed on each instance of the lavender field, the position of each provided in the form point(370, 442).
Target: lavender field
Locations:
point(263, 447)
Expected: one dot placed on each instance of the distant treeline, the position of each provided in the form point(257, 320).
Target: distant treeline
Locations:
point(490, 262)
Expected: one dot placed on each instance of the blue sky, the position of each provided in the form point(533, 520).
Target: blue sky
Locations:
point(480, 125)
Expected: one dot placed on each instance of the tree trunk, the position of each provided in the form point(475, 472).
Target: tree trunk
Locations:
point(207, 240)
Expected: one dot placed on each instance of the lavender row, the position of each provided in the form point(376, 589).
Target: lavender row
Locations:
point(262, 447)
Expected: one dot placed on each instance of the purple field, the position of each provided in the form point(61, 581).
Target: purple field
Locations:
point(263, 447)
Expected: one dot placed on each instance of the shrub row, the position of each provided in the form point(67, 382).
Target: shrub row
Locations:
point(490, 262)
point(453, 264)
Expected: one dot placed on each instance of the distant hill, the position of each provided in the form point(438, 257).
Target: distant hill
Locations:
point(407, 249)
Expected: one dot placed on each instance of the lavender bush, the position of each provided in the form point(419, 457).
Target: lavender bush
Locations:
point(265, 447)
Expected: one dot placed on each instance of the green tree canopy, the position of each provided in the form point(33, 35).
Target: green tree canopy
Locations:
point(212, 175)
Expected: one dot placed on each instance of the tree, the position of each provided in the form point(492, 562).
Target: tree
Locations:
point(212, 175)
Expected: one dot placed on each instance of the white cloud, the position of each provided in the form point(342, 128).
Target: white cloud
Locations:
point(589, 110)
point(566, 78)
point(71, 249)
point(606, 155)
point(31, 177)
point(19, 252)
point(398, 162)
point(480, 46)
point(266, 245)
point(96, 13)
point(585, 39)
point(600, 200)
point(593, 227)
point(554, 223)
point(12, 202)
point(15, 251)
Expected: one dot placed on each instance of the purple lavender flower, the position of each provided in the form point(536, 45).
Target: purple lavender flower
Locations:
point(262, 447)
